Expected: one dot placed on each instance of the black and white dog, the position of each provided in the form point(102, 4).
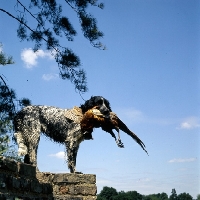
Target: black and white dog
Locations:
point(61, 125)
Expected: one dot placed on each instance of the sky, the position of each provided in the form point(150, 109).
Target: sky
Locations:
point(150, 74)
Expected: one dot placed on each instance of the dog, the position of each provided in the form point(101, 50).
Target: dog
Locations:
point(60, 125)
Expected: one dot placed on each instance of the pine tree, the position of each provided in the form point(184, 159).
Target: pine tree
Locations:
point(51, 25)
point(7, 112)
point(4, 60)
point(173, 196)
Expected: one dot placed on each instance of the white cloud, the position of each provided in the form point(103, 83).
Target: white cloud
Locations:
point(130, 115)
point(182, 160)
point(134, 114)
point(189, 123)
point(60, 155)
point(30, 57)
point(48, 77)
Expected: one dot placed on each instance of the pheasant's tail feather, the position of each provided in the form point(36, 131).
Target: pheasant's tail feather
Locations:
point(137, 139)
point(124, 128)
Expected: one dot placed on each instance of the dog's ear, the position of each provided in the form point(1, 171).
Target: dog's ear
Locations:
point(107, 104)
point(87, 105)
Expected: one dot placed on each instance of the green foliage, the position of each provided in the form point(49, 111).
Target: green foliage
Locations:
point(24, 102)
point(184, 196)
point(7, 107)
point(7, 113)
point(130, 195)
point(50, 25)
point(107, 193)
point(198, 197)
point(4, 141)
point(159, 196)
point(173, 196)
point(4, 60)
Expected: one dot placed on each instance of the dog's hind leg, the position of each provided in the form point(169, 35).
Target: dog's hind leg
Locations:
point(28, 149)
point(31, 157)
point(22, 148)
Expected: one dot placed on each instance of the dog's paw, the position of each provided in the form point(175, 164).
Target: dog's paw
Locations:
point(78, 172)
point(22, 151)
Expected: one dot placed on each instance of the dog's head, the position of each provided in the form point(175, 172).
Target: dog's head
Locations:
point(99, 102)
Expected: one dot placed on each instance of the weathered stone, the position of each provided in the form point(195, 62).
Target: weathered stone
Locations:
point(75, 178)
point(47, 188)
point(36, 186)
point(85, 190)
point(56, 189)
point(25, 184)
point(3, 181)
point(9, 182)
point(45, 177)
point(64, 189)
point(8, 164)
point(20, 181)
point(15, 183)
point(61, 197)
point(90, 198)
point(89, 178)
point(27, 170)
point(3, 197)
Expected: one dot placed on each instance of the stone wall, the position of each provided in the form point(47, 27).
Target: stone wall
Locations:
point(19, 180)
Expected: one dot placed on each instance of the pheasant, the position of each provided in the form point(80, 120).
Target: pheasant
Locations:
point(93, 118)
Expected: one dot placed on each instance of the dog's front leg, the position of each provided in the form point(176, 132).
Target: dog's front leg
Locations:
point(72, 149)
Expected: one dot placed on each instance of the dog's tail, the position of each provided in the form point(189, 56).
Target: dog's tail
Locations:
point(22, 148)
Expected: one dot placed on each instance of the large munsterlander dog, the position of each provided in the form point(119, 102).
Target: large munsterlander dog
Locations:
point(61, 125)
point(67, 126)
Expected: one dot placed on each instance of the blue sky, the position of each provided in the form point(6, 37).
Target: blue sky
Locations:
point(149, 73)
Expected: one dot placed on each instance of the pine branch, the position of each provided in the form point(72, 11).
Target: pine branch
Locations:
point(11, 98)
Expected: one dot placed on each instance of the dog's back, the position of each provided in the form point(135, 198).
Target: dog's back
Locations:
point(33, 120)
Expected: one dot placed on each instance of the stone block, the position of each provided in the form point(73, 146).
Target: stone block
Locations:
point(9, 182)
point(61, 197)
point(3, 181)
point(8, 164)
point(25, 184)
point(20, 180)
point(15, 183)
point(74, 178)
point(64, 189)
point(36, 186)
point(90, 198)
point(45, 177)
point(47, 188)
point(3, 197)
point(85, 190)
point(27, 170)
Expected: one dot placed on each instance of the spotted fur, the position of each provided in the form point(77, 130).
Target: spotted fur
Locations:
point(60, 125)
